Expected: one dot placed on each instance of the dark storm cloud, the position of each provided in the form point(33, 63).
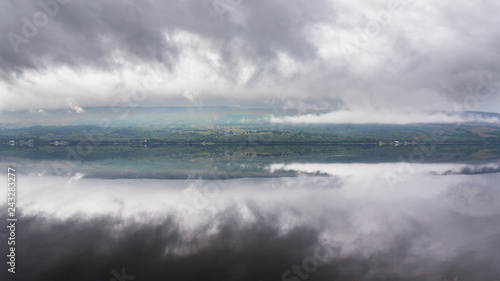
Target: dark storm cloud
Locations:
point(88, 34)
point(90, 249)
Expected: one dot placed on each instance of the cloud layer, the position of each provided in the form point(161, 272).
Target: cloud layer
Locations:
point(330, 54)
point(381, 117)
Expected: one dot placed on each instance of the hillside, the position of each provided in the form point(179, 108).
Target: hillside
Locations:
point(225, 125)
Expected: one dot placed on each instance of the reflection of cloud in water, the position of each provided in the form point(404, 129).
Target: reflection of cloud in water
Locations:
point(364, 170)
point(250, 229)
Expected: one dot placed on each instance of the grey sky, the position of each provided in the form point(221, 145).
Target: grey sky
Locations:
point(350, 55)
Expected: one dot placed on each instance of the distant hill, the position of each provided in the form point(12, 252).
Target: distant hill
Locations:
point(219, 125)
point(161, 117)
point(201, 117)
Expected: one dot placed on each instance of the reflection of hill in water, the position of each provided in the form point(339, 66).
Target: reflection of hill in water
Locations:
point(196, 161)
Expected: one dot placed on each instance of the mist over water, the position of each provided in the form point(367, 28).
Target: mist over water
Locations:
point(333, 221)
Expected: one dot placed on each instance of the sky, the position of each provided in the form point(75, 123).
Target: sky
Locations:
point(356, 56)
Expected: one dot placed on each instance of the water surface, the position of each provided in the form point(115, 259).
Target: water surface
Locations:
point(223, 213)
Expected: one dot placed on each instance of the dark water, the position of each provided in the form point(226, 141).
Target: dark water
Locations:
point(250, 213)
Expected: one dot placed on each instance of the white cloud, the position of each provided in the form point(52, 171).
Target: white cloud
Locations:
point(74, 107)
point(381, 117)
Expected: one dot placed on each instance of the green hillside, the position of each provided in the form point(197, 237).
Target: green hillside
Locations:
point(223, 125)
